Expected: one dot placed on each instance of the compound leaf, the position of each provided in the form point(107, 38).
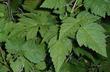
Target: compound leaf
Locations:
point(71, 25)
point(92, 36)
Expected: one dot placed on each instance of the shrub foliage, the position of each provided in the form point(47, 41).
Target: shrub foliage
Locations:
point(54, 35)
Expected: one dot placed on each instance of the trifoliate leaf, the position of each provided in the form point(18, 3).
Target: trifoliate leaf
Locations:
point(92, 36)
point(41, 17)
point(58, 51)
point(98, 7)
point(44, 20)
point(71, 25)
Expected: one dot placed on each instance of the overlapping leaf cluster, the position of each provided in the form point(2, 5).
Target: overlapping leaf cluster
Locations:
point(54, 35)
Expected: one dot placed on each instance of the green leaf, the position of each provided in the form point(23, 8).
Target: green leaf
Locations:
point(34, 52)
point(41, 66)
point(98, 7)
point(18, 65)
point(71, 25)
point(82, 52)
point(3, 68)
point(108, 47)
point(19, 31)
point(30, 4)
point(67, 67)
point(41, 17)
point(53, 3)
point(8, 27)
point(2, 23)
point(32, 22)
point(48, 32)
point(26, 27)
point(14, 45)
point(28, 66)
point(105, 66)
point(5, 28)
point(92, 36)
point(2, 10)
point(14, 4)
point(58, 51)
point(32, 33)
point(3, 37)
point(58, 5)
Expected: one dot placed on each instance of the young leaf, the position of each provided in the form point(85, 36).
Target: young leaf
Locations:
point(92, 36)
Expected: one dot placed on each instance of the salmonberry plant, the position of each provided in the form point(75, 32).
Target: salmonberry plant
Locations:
point(54, 35)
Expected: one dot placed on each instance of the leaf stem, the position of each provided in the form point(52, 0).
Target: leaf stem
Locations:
point(73, 8)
